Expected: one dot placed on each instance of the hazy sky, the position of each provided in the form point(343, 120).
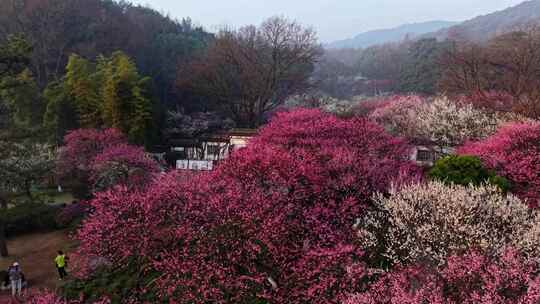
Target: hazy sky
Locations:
point(333, 19)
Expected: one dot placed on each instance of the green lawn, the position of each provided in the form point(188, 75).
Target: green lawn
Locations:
point(52, 195)
point(63, 198)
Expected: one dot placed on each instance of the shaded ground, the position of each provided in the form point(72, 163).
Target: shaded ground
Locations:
point(63, 198)
point(56, 197)
point(35, 254)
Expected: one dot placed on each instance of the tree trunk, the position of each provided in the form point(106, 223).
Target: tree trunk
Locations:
point(28, 191)
point(3, 244)
point(3, 202)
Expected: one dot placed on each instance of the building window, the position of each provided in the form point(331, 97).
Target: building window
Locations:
point(191, 153)
point(423, 156)
point(213, 150)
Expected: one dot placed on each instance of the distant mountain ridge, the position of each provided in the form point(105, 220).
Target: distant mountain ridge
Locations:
point(396, 34)
point(479, 29)
point(482, 28)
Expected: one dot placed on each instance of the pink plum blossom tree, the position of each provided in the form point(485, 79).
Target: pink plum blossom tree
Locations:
point(122, 164)
point(272, 223)
point(75, 158)
point(469, 278)
point(514, 152)
point(81, 146)
point(100, 159)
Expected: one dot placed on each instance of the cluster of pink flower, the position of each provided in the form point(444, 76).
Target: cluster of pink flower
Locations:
point(466, 279)
point(122, 164)
point(514, 152)
point(103, 158)
point(82, 146)
point(274, 222)
point(51, 298)
point(277, 221)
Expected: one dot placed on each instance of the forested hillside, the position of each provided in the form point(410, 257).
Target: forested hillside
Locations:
point(53, 30)
point(419, 64)
point(58, 28)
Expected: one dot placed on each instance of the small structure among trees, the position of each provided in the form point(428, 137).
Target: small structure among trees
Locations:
point(199, 140)
point(204, 151)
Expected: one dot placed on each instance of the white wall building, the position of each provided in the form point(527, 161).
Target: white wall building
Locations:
point(203, 153)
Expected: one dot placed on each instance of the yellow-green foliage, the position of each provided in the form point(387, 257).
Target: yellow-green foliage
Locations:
point(110, 93)
point(82, 85)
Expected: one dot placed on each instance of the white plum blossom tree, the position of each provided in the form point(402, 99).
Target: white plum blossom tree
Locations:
point(429, 222)
point(441, 122)
point(24, 164)
point(449, 124)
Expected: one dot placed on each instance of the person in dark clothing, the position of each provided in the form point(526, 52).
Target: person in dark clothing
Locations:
point(15, 277)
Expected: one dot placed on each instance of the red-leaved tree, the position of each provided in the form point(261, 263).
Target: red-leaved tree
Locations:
point(122, 164)
point(274, 222)
point(468, 279)
point(80, 148)
point(95, 160)
point(491, 101)
point(514, 152)
point(47, 297)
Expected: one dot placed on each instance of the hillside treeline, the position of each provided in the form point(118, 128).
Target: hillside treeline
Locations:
point(42, 36)
point(100, 63)
point(508, 65)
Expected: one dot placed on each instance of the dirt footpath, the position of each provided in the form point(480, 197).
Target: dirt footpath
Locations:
point(35, 254)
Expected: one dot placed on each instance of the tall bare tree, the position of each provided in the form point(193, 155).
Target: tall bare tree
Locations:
point(515, 62)
point(508, 64)
point(251, 71)
point(465, 68)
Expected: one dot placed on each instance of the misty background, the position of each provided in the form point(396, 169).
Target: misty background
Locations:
point(333, 19)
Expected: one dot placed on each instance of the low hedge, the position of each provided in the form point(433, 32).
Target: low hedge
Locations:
point(30, 217)
point(465, 170)
point(117, 285)
point(72, 215)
